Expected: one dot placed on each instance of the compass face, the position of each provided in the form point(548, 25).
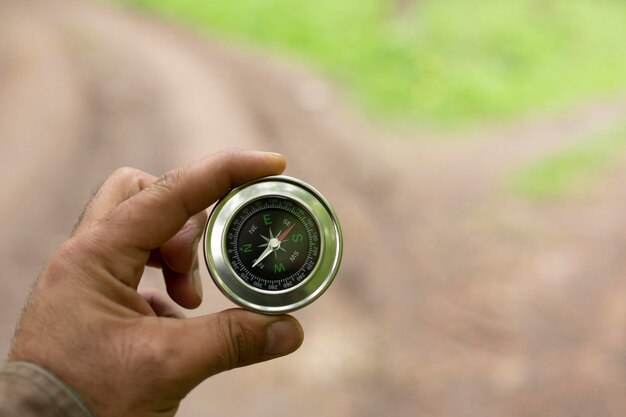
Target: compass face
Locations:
point(273, 244)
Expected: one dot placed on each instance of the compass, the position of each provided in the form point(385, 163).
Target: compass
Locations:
point(273, 245)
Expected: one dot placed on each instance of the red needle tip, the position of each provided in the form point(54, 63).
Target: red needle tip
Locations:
point(284, 234)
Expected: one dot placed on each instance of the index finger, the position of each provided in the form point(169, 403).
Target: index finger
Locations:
point(151, 217)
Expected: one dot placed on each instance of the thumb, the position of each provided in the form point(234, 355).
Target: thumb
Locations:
point(231, 339)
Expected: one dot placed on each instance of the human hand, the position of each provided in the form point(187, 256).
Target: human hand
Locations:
point(134, 354)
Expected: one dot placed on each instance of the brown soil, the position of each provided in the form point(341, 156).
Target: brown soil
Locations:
point(454, 298)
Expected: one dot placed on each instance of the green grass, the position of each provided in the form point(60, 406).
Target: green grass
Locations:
point(570, 172)
point(442, 62)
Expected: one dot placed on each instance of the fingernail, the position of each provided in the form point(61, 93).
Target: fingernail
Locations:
point(277, 156)
point(194, 252)
point(197, 282)
point(282, 337)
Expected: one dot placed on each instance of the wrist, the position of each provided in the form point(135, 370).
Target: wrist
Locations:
point(27, 389)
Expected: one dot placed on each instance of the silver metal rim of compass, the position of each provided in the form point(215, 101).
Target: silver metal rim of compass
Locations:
point(255, 299)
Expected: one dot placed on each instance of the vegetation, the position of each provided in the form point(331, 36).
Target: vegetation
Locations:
point(445, 62)
point(571, 171)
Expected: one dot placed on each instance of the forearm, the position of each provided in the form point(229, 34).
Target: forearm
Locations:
point(27, 390)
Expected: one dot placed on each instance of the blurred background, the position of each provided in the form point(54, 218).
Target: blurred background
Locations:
point(475, 153)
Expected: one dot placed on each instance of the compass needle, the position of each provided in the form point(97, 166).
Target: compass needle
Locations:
point(266, 252)
point(282, 236)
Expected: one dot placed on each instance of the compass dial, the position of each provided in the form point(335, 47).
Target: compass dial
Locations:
point(273, 244)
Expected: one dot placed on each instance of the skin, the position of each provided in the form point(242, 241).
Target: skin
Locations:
point(130, 353)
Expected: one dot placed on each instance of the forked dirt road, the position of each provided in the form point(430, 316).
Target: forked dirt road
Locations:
point(454, 298)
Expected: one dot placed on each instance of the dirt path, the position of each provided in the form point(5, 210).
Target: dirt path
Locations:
point(453, 299)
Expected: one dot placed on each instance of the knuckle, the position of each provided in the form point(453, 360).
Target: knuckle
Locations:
point(132, 178)
point(67, 264)
point(68, 254)
point(240, 342)
point(227, 157)
point(125, 172)
point(57, 266)
point(168, 181)
point(229, 153)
